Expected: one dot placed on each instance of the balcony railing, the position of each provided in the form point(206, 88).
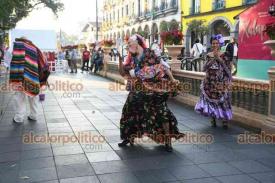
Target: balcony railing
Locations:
point(218, 5)
point(173, 4)
point(246, 2)
point(165, 7)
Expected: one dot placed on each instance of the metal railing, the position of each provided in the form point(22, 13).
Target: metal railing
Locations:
point(219, 4)
point(246, 2)
point(247, 94)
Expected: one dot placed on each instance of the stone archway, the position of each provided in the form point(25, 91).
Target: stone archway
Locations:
point(173, 25)
point(139, 29)
point(221, 25)
point(133, 31)
point(147, 32)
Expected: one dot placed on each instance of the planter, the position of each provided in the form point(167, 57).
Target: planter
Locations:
point(173, 52)
point(271, 44)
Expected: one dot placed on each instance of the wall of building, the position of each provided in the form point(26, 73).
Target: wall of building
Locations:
point(206, 12)
point(128, 24)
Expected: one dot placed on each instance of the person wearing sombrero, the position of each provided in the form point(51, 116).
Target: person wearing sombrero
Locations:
point(145, 111)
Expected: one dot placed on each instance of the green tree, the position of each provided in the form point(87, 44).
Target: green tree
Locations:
point(12, 11)
point(163, 26)
point(173, 25)
point(198, 27)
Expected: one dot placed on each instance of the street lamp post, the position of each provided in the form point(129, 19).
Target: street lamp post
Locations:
point(96, 22)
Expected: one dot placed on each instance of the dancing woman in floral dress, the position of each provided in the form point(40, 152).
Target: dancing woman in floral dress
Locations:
point(145, 111)
point(215, 99)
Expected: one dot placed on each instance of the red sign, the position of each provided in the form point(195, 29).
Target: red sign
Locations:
point(251, 32)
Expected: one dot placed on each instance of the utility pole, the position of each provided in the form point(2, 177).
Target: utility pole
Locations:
point(96, 21)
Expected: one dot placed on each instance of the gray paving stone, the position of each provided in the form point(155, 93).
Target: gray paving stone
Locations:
point(10, 148)
point(236, 178)
point(102, 156)
point(219, 169)
point(203, 157)
point(268, 177)
point(37, 163)
point(37, 175)
point(71, 159)
point(60, 130)
point(110, 167)
point(67, 150)
point(9, 157)
point(75, 170)
point(124, 177)
point(203, 180)
point(39, 153)
point(155, 176)
point(169, 161)
point(35, 146)
point(87, 179)
point(269, 162)
point(9, 177)
point(57, 120)
point(188, 172)
point(51, 181)
point(256, 154)
point(6, 141)
point(250, 166)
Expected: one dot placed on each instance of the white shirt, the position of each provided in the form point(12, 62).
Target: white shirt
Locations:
point(235, 50)
point(197, 50)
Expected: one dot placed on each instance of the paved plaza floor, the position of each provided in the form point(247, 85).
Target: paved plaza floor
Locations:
point(94, 109)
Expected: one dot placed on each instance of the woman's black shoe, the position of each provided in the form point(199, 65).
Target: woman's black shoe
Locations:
point(168, 148)
point(213, 123)
point(225, 125)
point(125, 142)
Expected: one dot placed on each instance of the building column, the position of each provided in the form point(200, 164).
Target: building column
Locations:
point(269, 124)
point(187, 40)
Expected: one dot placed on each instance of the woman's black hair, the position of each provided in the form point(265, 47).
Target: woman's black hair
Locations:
point(213, 38)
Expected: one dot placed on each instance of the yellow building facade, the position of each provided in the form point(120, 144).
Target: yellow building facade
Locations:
point(217, 14)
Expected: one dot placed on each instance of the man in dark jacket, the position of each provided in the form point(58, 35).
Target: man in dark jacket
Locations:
point(98, 59)
point(232, 53)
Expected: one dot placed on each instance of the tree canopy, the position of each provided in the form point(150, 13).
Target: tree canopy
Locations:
point(12, 11)
point(198, 27)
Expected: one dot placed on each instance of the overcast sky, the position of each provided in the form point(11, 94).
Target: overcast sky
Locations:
point(70, 20)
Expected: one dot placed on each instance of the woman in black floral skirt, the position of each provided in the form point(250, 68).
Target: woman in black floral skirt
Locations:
point(150, 83)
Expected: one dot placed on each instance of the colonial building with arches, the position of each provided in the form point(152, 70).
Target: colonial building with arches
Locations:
point(218, 16)
point(122, 18)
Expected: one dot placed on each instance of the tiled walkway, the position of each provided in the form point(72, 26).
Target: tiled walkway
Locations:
point(95, 111)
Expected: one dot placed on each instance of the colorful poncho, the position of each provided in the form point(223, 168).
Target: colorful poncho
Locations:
point(24, 71)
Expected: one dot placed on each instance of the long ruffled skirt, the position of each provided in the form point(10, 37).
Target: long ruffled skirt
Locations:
point(218, 110)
